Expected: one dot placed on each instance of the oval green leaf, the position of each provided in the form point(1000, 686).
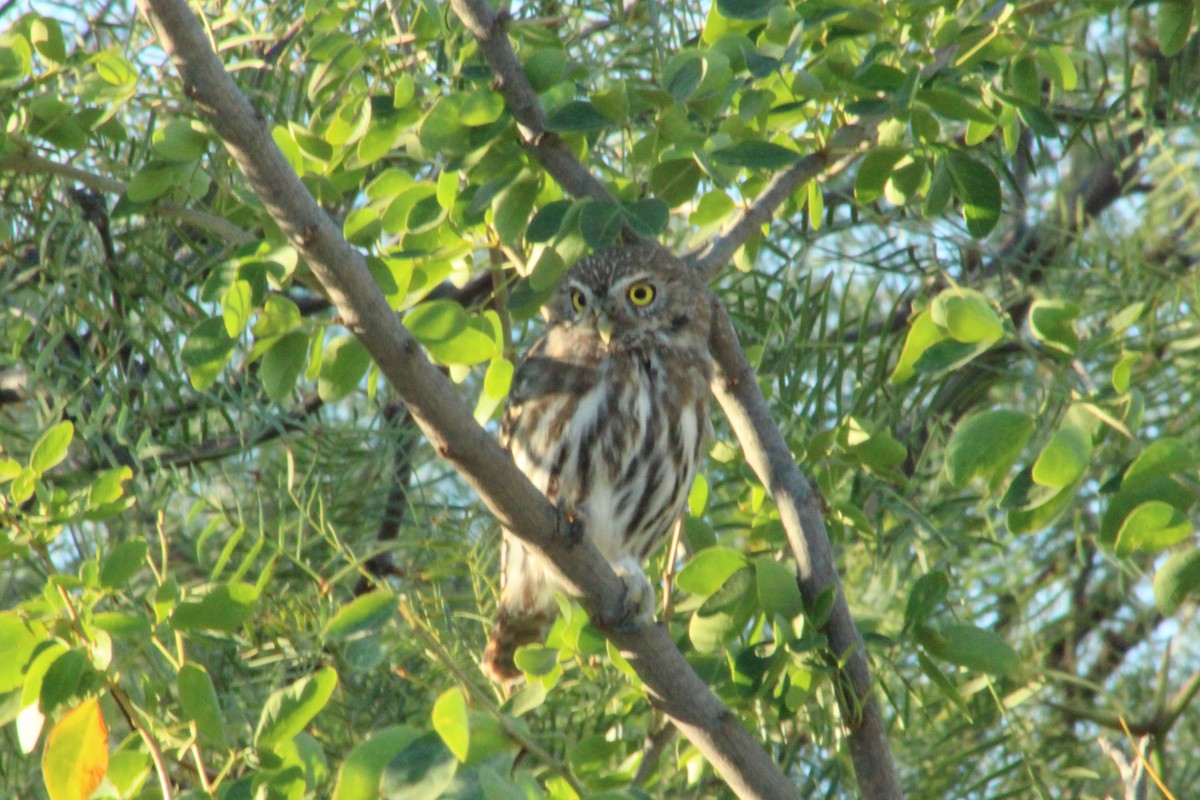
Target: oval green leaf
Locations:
point(1178, 578)
point(451, 722)
point(1063, 459)
point(200, 704)
point(708, 570)
point(289, 710)
point(1152, 527)
point(343, 365)
point(51, 447)
point(986, 444)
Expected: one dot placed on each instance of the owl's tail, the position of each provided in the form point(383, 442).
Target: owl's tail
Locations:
point(512, 629)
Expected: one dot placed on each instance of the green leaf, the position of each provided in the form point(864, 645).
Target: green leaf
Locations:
point(1023, 80)
point(708, 633)
point(289, 710)
point(122, 563)
point(1052, 323)
point(536, 659)
point(682, 74)
point(442, 129)
point(451, 722)
point(279, 315)
point(444, 329)
point(600, 224)
point(511, 209)
point(874, 171)
point(546, 222)
point(927, 593)
point(778, 593)
point(342, 367)
point(1122, 372)
point(675, 180)
point(1152, 527)
point(51, 447)
point(480, 107)
point(393, 276)
point(198, 698)
point(956, 105)
point(1173, 24)
point(979, 190)
point(358, 777)
point(577, 116)
point(205, 352)
point(648, 216)
point(423, 770)
point(708, 570)
point(156, 179)
point(367, 611)
point(1176, 579)
point(745, 9)
point(923, 333)
point(363, 226)
point(16, 59)
point(179, 141)
point(282, 364)
point(498, 379)
point(237, 305)
point(986, 444)
point(967, 316)
point(1064, 458)
point(47, 38)
point(224, 608)
point(976, 649)
point(755, 154)
point(18, 638)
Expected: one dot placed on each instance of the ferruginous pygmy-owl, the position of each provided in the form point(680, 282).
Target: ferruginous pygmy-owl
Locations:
point(608, 415)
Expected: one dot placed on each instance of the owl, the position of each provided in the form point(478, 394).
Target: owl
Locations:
point(608, 416)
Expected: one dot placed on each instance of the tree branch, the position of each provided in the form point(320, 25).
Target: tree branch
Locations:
point(800, 510)
point(29, 163)
point(441, 414)
point(845, 146)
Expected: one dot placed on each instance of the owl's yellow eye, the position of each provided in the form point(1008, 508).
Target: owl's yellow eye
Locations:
point(641, 293)
point(578, 299)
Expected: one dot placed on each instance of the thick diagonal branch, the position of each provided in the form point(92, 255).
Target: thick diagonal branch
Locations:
point(800, 510)
point(445, 419)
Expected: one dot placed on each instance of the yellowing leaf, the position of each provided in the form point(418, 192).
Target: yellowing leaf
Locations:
point(76, 755)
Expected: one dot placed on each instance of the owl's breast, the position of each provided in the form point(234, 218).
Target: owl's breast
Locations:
point(622, 449)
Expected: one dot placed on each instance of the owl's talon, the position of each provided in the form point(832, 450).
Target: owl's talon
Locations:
point(637, 599)
point(569, 523)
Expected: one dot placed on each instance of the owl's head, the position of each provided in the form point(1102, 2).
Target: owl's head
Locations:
point(629, 297)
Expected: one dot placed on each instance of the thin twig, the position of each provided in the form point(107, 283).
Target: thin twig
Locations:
point(26, 162)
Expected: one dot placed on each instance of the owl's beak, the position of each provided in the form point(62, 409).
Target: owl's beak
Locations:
point(604, 326)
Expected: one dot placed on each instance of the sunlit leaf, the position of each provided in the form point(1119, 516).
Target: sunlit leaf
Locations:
point(986, 444)
point(289, 710)
point(756, 154)
point(1152, 527)
point(344, 364)
point(709, 569)
point(224, 608)
point(450, 721)
point(198, 697)
point(1176, 580)
point(51, 447)
point(967, 646)
point(76, 755)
